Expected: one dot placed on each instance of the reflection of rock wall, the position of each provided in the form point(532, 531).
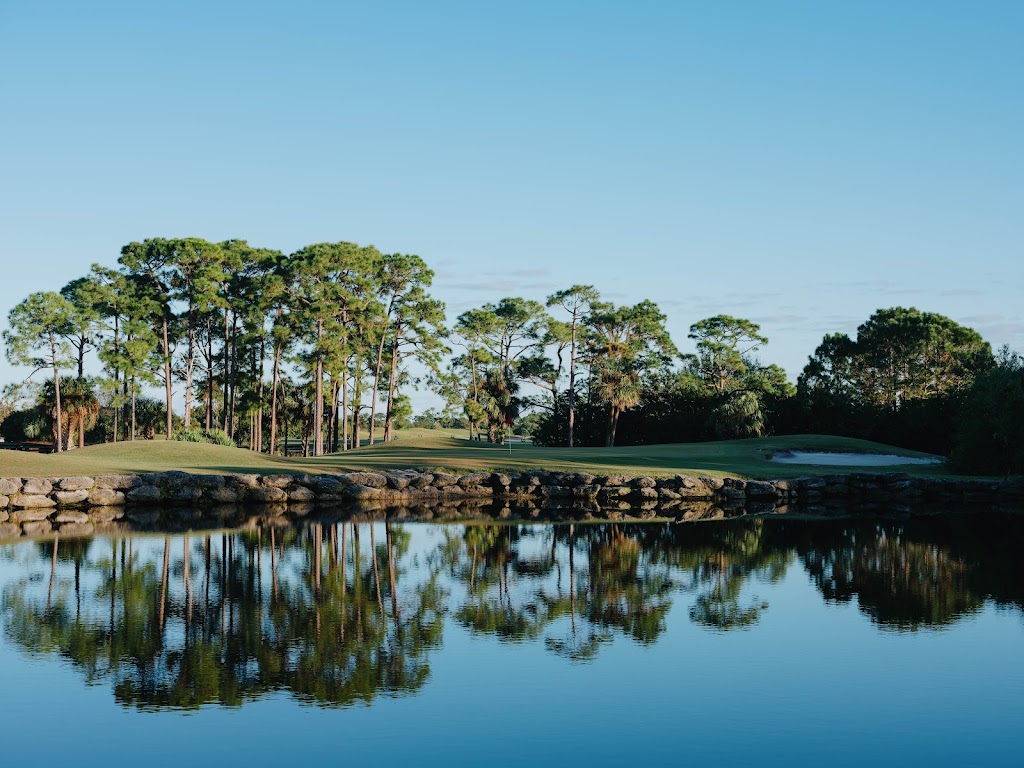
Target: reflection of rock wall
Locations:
point(75, 504)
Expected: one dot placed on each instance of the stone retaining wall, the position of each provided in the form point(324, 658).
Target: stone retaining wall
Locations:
point(76, 503)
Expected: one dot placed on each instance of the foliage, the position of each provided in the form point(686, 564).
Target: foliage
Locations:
point(902, 379)
point(989, 435)
point(200, 435)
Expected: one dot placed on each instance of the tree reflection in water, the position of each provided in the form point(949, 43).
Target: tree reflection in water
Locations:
point(191, 623)
point(337, 614)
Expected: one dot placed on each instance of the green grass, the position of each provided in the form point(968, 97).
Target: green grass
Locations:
point(452, 451)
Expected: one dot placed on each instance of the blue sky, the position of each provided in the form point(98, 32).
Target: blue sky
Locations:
point(798, 163)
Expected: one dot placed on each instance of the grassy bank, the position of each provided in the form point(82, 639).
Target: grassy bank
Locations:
point(450, 450)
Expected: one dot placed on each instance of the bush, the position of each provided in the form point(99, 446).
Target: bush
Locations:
point(219, 437)
point(200, 435)
point(990, 431)
point(191, 435)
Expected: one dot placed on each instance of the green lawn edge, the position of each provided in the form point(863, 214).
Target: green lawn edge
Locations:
point(449, 450)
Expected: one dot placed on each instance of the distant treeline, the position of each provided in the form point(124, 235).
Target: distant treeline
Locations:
point(312, 348)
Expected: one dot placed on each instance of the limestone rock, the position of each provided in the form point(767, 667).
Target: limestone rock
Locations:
point(731, 495)
point(208, 482)
point(422, 481)
point(399, 482)
point(32, 502)
point(185, 493)
point(10, 486)
point(278, 481)
point(75, 483)
point(443, 480)
point(555, 492)
point(145, 494)
point(757, 489)
point(4, 504)
point(266, 495)
point(577, 478)
point(71, 498)
point(243, 481)
point(301, 493)
point(472, 480)
point(118, 482)
point(644, 482)
point(222, 495)
point(36, 486)
point(329, 486)
point(102, 496)
point(368, 479)
point(358, 491)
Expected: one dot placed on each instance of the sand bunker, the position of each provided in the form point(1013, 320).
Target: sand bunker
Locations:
point(823, 458)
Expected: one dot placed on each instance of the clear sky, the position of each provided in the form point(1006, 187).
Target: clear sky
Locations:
point(798, 163)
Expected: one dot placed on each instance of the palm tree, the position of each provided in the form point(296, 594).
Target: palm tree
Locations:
point(79, 408)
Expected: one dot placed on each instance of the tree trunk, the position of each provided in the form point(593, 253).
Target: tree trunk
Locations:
point(272, 449)
point(376, 378)
point(226, 366)
point(344, 407)
point(357, 401)
point(318, 403)
point(116, 373)
point(234, 374)
point(56, 391)
point(390, 416)
point(167, 377)
point(613, 425)
point(261, 390)
point(209, 373)
point(190, 362)
point(572, 387)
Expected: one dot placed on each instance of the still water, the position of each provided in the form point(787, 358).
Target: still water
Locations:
point(766, 641)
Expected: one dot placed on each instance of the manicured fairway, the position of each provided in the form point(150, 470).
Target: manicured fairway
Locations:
point(450, 450)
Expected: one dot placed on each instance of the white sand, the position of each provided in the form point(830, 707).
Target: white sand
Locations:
point(848, 459)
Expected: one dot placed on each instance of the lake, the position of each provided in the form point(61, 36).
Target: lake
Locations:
point(748, 641)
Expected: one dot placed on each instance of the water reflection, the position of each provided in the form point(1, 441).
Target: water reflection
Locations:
point(340, 613)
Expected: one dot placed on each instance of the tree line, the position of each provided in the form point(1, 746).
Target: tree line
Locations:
point(313, 350)
point(258, 341)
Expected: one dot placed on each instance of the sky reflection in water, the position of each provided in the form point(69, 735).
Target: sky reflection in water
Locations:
point(778, 641)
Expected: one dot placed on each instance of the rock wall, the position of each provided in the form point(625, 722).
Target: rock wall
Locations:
point(75, 504)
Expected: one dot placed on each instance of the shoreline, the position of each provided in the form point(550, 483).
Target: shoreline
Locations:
point(83, 505)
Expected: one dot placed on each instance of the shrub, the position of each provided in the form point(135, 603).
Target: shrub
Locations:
point(200, 435)
point(190, 435)
point(219, 437)
point(990, 434)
